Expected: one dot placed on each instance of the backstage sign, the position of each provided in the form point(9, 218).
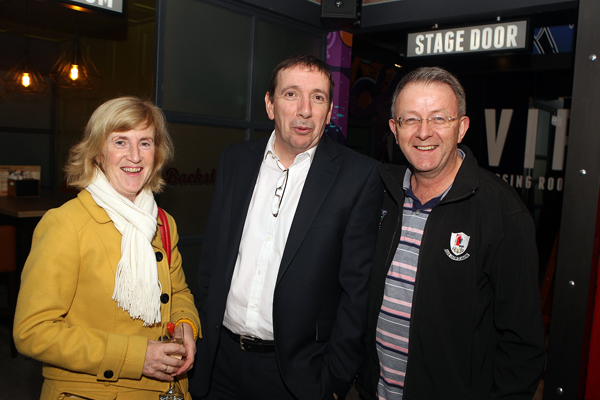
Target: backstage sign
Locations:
point(110, 5)
point(494, 37)
point(174, 177)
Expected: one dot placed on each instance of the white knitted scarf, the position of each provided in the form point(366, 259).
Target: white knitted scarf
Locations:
point(137, 288)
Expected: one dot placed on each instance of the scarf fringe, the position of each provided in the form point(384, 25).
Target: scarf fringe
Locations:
point(131, 300)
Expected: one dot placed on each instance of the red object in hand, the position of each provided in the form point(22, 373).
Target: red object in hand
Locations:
point(171, 328)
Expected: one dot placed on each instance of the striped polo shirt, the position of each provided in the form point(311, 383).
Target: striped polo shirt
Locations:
point(394, 317)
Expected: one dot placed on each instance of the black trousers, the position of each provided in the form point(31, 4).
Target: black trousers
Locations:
point(244, 375)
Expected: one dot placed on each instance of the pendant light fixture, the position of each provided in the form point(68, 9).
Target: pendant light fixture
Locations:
point(24, 77)
point(74, 70)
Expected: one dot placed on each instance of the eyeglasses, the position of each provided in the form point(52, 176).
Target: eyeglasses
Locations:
point(279, 191)
point(437, 120)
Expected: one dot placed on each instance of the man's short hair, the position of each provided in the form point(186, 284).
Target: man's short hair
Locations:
point(427, 76)
point(308, 61)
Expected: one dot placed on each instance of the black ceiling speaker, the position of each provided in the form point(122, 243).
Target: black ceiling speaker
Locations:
point(341, 13)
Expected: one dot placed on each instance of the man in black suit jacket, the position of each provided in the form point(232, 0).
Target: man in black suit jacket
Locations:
point(286, 255)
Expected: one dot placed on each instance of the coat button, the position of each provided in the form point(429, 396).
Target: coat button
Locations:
point(164, 298)
point(217, 328)
point(159, 256)
point(108, 374)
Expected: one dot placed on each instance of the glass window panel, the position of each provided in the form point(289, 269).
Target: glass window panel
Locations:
point(26, 110)
point(275, 43)
point(29, 149)
point(190, 177)
point(206, 59)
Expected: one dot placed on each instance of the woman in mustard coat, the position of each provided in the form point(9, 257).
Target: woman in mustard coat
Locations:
point(97, 285)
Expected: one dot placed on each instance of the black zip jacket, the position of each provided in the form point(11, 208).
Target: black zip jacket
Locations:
point(476, 326)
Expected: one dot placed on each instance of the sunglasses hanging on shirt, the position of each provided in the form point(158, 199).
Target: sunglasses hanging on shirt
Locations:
point(279, 192)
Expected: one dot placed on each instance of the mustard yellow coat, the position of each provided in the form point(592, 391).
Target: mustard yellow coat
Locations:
point(65, 314)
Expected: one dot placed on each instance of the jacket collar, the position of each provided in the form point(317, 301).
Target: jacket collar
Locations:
point(245, 168)
point(392, 176)
point(92, 208)
point(320, 179)
point(466, 181)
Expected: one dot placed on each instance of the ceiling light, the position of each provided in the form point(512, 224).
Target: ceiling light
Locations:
point(74, 70)
point(24, 77)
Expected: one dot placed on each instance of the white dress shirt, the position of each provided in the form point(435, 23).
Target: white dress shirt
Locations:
point(249, 309)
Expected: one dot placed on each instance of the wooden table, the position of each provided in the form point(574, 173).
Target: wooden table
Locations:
point(34, 206)
point(25, 213)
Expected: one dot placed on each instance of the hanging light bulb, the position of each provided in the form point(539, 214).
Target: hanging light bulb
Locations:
point(74, 70)
point(24, 77)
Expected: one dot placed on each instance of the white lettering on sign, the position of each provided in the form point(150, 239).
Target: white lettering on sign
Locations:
point(437, 48)
point(486, 38)
point(495, 37)
point(459, 40)
point(112, 5)
point(496, 141)
point(429, 36)
point(543, 183)
point(475, 39)
point(511, 36)
point(449, 40)
point(560, 139)
point(531, 137)
point(101, 3)
point(107, 3)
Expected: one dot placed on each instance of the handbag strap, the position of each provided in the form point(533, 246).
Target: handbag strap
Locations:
point(165, 233)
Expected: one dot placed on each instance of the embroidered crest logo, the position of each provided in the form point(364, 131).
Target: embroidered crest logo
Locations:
point(458, 245)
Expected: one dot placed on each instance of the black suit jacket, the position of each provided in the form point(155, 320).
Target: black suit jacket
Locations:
point(320, 298)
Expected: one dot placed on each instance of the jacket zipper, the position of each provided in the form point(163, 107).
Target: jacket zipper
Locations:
point(423, 242)
point(388, 261)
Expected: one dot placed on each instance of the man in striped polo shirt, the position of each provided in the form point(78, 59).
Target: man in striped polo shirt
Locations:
point(454, 308)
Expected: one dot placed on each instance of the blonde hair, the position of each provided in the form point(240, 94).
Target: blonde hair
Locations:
point(119, 115)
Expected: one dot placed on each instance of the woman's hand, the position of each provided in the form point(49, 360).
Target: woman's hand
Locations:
point(190, 347)
point(161, 360)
